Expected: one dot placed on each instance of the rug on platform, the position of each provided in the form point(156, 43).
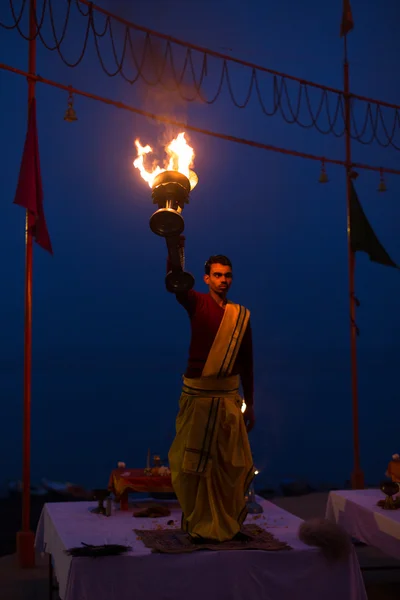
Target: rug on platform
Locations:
point(176, 541)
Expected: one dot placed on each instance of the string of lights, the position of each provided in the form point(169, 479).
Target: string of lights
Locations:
point(162, 119)
point(203, 75)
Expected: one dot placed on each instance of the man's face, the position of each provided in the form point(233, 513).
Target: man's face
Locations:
point(220, 278)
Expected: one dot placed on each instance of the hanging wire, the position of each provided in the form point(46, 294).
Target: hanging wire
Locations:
point(189, 127)
point(307, 104)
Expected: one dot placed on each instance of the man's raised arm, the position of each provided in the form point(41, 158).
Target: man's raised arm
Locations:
point(186, 299)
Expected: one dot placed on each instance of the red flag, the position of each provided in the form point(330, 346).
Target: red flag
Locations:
point(347, 19)
point(29, 192)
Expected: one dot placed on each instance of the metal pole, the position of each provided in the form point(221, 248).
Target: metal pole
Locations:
point(357, 476)
point(25, 537)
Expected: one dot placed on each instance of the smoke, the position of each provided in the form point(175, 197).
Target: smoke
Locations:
point(164, 99)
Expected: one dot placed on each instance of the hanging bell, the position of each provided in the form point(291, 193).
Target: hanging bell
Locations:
point(382, 185)
point(323, 177)
point(70, 114)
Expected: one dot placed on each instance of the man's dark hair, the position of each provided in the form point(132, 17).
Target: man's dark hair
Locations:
point(219, 259)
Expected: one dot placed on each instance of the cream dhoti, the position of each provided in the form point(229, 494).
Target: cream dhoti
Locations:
point(210, 458)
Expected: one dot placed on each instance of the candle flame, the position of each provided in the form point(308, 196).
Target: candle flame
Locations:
point(180, 157)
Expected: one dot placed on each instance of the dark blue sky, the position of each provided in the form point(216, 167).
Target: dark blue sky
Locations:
point(109, 342)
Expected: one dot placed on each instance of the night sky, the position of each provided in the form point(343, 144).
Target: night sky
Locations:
point(109, 343)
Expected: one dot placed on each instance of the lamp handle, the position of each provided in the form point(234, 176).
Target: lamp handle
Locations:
point(176, 253)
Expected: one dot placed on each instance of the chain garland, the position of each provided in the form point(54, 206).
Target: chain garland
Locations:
point(156, 64)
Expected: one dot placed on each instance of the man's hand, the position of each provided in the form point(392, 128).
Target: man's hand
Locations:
point(249, 418)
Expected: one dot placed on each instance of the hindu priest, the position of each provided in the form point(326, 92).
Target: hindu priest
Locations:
point(210, 458)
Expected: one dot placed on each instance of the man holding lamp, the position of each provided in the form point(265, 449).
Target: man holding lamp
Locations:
point(210, 458)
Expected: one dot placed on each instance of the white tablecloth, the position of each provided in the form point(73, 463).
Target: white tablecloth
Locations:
point(221, 575)
point(358, 513)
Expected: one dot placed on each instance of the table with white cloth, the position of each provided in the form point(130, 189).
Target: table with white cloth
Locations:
point(295, 574)
point(357, 512)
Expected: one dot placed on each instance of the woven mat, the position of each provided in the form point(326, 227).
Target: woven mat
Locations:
point(175, 541)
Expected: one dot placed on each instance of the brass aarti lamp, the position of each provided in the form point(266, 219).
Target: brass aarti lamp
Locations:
point(253, 507)
point(170, 191)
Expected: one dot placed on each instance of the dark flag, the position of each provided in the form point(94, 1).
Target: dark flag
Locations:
point(347, 19)
point(362, 236)
point(29, 192)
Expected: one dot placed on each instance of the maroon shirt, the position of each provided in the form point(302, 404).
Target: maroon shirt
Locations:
point(205, 318)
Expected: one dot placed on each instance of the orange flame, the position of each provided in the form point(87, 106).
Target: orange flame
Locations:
point(180, 157)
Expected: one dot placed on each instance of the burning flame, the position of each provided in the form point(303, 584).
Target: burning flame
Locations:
point(180, 158)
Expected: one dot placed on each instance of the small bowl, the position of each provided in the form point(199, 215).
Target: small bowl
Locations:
point(390, 488)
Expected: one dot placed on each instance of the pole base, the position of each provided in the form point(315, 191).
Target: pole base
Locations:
point(26, 549)
point(357, 480)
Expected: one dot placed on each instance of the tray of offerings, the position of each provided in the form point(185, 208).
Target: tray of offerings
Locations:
point(156, 482)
